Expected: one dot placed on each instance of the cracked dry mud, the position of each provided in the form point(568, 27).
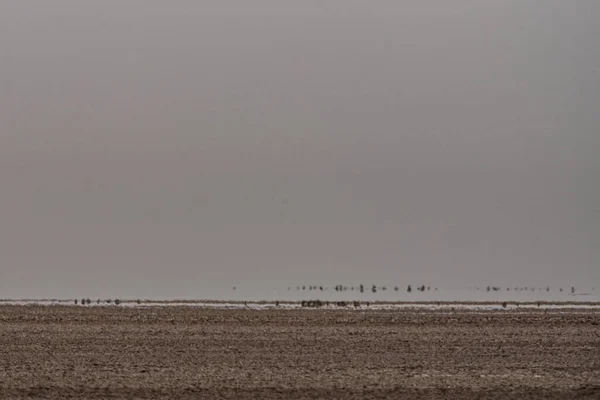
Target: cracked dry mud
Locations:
point(184, 352)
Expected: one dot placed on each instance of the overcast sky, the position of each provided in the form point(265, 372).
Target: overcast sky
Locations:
point(172, 149)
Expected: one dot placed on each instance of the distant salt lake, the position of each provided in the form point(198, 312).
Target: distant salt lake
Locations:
point(298, 293)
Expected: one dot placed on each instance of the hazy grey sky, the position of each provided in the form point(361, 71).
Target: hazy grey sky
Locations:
point(153, 148)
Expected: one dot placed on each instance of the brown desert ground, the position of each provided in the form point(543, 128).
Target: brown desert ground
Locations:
point(55, 352)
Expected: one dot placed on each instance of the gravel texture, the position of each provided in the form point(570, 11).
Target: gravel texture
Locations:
point(56, 352)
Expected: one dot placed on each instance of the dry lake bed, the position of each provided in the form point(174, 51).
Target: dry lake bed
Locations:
point(60, 351)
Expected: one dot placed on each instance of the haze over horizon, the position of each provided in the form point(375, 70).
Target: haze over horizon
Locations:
point(176, 149)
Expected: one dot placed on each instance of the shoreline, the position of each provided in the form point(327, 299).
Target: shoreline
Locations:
point(315, 304)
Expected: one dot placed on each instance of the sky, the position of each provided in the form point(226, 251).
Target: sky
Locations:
point(176, 149)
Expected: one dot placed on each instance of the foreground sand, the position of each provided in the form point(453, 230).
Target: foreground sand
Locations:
point(186, 352)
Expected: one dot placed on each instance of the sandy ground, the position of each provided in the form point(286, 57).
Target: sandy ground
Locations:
point(192, 352)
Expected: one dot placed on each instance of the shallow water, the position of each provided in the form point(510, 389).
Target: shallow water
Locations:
point(468, 294)
point(364, 305)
